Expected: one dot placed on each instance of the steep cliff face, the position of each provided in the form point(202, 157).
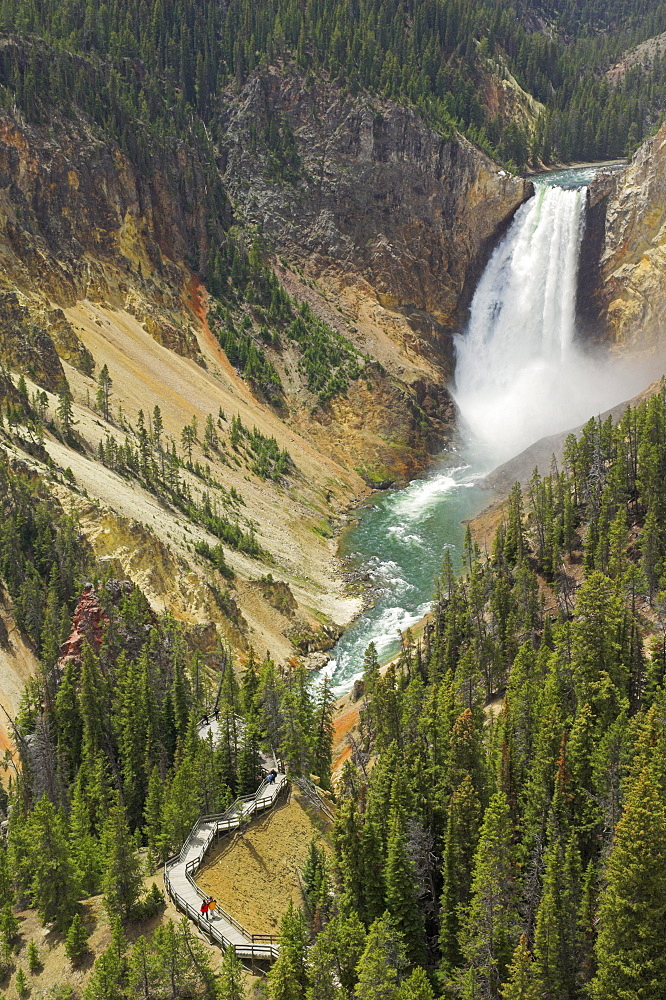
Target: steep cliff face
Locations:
point(628, 302)
point(376, 198)
point(379, 224)
point(385, 226)
point(79, 221)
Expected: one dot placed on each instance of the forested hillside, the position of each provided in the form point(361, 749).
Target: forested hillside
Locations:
point(166, 66)
point(501, 831)
point(501, 828)
point(108, 755)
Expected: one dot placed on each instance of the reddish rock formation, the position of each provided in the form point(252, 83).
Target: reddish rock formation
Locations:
point(88, 623)
point(90, 620)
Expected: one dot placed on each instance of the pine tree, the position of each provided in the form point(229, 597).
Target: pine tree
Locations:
point(383, 964)
point(556, 938)
point(401, 889)
point(597, 637)
point(122, 881)
point(103, 396)
point(333, 958)
point(321, 971)
point(416, 987)
point(109, 974)
point(521, 983)
point(41, 850)
point(76, 942)
point(64, 411)
point(21, 984)
point(231, 977)
point(632, 911)
point(490, 925)
point(288, 978)
point(154, 824)
point(460, 840)
point(10, 929)
point(34, 961)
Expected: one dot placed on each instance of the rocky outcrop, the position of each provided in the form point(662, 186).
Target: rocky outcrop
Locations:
point(78, 220)
point(386, 226)
point(627, 301)
point(88, 626)
point(375, 196)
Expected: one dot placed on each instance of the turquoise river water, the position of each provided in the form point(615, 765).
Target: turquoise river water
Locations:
point(399, 540)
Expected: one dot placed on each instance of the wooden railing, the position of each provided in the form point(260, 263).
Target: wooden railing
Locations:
point(257, 946)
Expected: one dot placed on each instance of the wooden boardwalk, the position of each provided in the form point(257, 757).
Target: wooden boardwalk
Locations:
point(179, 871)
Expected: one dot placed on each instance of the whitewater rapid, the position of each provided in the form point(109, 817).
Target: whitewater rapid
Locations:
point(520, 375)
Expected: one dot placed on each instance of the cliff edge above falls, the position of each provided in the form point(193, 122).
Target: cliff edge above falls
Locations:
point(376, 202)
point(628, 213)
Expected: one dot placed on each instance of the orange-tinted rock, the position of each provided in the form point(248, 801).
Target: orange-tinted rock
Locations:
point(88, 624)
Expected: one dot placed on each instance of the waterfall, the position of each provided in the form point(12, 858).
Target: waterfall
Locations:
point(519, 373)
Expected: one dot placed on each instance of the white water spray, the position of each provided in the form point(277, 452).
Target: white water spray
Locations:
point(520, 375)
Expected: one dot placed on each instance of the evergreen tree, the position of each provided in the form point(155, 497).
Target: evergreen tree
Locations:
point(231, 977)
point(416, 987)
point(122, 881)
point(401, 890)
point(460, 839)
point(65, 412)
point(109, 975)
point(383, 964)
point(632, 911)
point(556, 954)
point(42, 856)
point(34, 961)
point(103, 396)
point(288, 978)
point(76, 942)
point(521, 983)
point(491, 920)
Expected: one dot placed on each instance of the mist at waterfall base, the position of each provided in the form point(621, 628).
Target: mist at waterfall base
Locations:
point(520, 375)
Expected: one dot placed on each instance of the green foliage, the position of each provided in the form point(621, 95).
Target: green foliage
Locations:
point(34, 961)
point(268, 461)
point(632, 911)
point(401, 896)
point(172, 962)
point(103, 395)
point(21, 984)
point(76, 942)
point(231, 977)
point(122, 881)
point(160, 473)
point(432, 56)
point(250, 360)
point(10, 929)
point(521, 984)
point(383, 964)
point(544, 838)
point(42, 858)
point(328, 360)
point(288, 978)
point(215, 555)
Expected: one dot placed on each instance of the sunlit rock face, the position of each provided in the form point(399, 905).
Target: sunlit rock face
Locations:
point(377, 197)
point(630, 294)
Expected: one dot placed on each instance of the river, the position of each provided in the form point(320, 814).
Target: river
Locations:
point(520, 375)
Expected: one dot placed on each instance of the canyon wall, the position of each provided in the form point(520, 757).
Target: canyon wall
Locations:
point(366, 213)
point(627, 301)
point(377, 200)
